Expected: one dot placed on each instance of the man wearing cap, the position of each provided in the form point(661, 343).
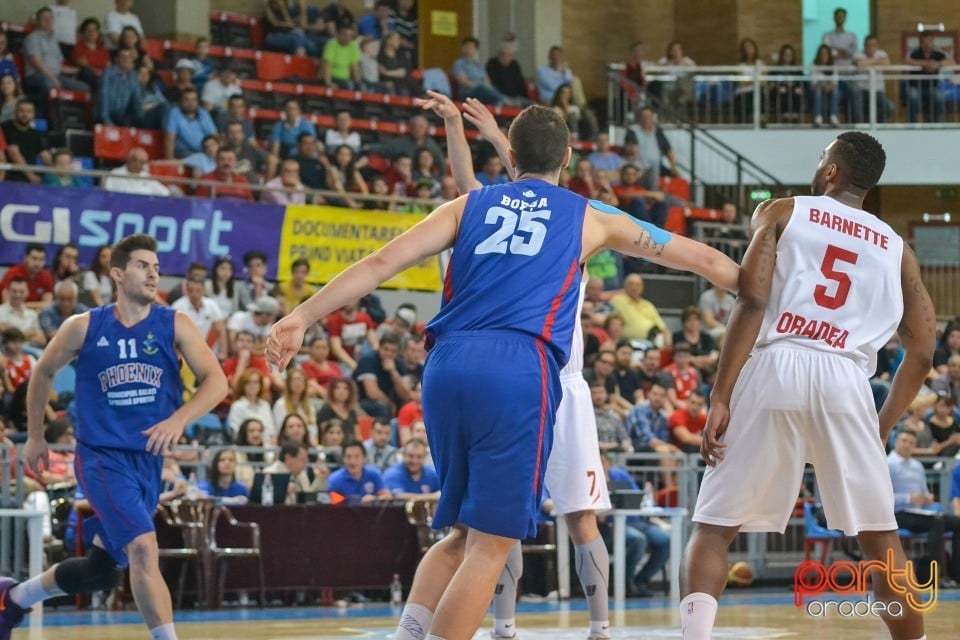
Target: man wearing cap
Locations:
point(403, 321)
point(256, 320)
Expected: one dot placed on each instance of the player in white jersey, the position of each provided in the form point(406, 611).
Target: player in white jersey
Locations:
point(823, 286)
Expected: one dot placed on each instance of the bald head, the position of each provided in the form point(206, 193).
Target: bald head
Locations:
point(137, 159)
point(633, 286)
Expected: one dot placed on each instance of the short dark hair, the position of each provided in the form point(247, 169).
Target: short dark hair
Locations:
point(303, 136)
point(390, 339)
point(355, 444)
point(43, 10)
point(12, 334)
point(235, 97)
point(33, 246)
point(300, 262)
point(291, 449)
point(539, 137)
point(470, 40)
point(55, 429)
point(287, 102)
point(197, 266)
point(188, 90)
point(698, 393)
point(125, 248)
point(87, 22)
point(253, 254)
point(682, 347)
point(861, 159)
point(689, 312)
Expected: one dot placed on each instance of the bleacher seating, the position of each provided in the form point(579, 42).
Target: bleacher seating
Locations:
point(70, 109)
point(235, 30)
point(115, 143)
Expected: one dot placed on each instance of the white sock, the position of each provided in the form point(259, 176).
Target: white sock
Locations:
point(414, 622)
point(600, 628)
point(505, 628)
point(163, 632)
point(26, 594)
point(433, 637)
point(697, 613)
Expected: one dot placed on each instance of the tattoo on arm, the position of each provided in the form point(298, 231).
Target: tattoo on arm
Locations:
point(645, 241)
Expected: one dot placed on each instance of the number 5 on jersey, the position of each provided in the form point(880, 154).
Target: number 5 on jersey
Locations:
point(833, 255)
point(521, 235)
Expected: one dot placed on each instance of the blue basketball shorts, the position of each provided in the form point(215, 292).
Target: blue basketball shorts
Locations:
point(123, 488)
point(489, 403)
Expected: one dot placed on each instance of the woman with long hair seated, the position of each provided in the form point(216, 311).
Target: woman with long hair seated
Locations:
point(221, 482)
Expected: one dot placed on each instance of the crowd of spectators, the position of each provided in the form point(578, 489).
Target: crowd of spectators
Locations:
point(834, 84)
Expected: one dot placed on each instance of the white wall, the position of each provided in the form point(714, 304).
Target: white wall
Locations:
point(914, 157)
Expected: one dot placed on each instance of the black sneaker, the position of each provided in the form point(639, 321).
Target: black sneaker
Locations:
point(11, 614)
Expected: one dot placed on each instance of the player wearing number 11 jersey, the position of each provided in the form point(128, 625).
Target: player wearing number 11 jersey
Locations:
point(823, 286)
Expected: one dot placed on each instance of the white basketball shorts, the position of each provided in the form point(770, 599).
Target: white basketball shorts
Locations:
point(789, 407)
point(575, 477)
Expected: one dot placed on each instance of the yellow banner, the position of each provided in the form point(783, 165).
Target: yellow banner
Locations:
point(332, 239)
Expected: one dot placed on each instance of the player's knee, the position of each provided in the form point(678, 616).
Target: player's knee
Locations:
point(583, 527)
point(95, 572)
point(143, 552)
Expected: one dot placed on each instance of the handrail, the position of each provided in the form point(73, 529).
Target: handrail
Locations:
point(213, 184)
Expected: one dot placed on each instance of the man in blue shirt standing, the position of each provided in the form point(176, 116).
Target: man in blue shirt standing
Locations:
point(357, 481)
point(187, 126)
point(412, 479)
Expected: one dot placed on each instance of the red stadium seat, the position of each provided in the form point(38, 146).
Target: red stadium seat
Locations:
point(676, 221)
point(676, 186)
point(114, 143)
point(154, 49)
point(162, 170)
point(277, 66)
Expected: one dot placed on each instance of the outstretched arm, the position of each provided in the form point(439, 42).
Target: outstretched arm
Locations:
point(612, 228)
point(458, 150)
point(477, 114)
point(436, 232)
point(918, 335)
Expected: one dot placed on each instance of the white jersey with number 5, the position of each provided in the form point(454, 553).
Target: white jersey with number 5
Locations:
point(836, 287)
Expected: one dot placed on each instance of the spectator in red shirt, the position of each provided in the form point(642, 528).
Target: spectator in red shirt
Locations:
point(348, 328)
point(686, 379)
point(17, 365)
point(583, 181)
point(39, 280)
point(235, 186)
point(687, 424)
point(244, 358)
point(410, 413)
point(318, 367)
point(90, 56)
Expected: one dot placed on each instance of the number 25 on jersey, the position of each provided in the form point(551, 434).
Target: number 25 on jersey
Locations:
point(520, 235)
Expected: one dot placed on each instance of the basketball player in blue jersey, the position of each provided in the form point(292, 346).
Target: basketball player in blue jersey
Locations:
point(129, 410)
point(575, 476)
point(491, 383)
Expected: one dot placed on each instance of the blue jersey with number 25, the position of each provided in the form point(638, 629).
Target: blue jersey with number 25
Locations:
point(516, 264)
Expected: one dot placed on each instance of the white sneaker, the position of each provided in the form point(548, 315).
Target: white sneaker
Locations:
point(600, 635)
point(818, 121)
point(835, 121)
point(496, 636)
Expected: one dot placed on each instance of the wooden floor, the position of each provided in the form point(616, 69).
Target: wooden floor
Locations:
point(744, 619)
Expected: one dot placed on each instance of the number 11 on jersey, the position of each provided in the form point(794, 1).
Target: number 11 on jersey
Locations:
point(126, 351)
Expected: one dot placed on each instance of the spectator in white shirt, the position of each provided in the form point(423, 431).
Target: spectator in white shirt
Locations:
point(142, 184)
point(256, 321)
point(341, 133)
point(286, 188)
point(218, 90)
point(65, 25)
point(205, 314)
point(118, 19)
point(16, 314)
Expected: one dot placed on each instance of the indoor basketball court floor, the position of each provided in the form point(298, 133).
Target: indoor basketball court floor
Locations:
point(752, 615)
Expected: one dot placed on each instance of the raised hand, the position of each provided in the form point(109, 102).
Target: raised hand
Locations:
point(439, 104)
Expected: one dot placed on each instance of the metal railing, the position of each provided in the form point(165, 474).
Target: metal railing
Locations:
point(893, 96)
point(771, 556)
point(191, 184)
